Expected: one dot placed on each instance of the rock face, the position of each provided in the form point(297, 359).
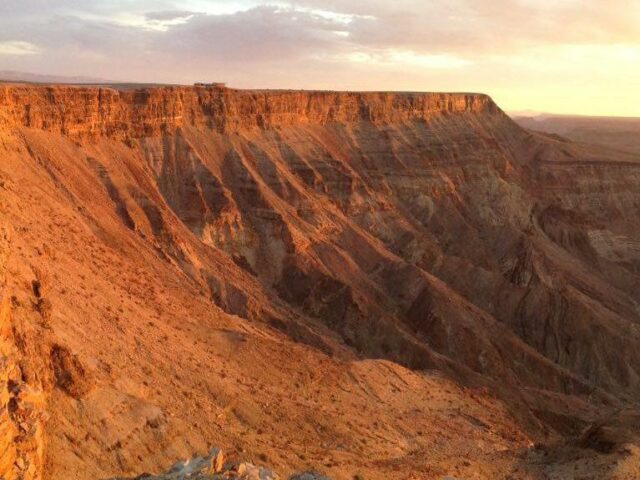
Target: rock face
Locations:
point(366, 283)
point(127, 113)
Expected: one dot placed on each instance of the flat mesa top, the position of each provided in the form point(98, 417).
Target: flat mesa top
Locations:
point(221, 86)
point(116, 86)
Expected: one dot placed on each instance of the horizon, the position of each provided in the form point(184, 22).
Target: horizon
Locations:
point(564, 57)
point(62, 81)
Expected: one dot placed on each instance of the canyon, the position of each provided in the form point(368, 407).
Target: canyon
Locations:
point(618, 133)
point(371, 285)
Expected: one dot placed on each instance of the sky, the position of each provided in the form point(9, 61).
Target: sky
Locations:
point(556, 56)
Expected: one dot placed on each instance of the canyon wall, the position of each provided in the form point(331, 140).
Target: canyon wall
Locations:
point(129, 113)
point(320, 278)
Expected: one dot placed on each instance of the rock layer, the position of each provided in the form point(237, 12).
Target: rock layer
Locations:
point(129, 113)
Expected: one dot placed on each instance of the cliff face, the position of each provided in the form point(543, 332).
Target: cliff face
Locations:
point(277, 273)
point(106, 112)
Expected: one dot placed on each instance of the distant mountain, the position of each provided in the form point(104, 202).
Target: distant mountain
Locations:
point(15, 76)
point(524, 113)
point(622, 133)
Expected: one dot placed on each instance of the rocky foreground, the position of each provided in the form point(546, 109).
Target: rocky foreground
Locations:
point(214, 467)
point(371, 285)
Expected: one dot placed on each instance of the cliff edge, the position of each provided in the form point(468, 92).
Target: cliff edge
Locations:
point(78, 111)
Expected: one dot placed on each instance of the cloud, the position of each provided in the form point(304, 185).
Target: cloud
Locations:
point(18, 48)
point(261, 30)
point(398, 59)
point(168, 15)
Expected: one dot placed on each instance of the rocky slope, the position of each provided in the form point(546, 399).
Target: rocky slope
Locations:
point(377, 284)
